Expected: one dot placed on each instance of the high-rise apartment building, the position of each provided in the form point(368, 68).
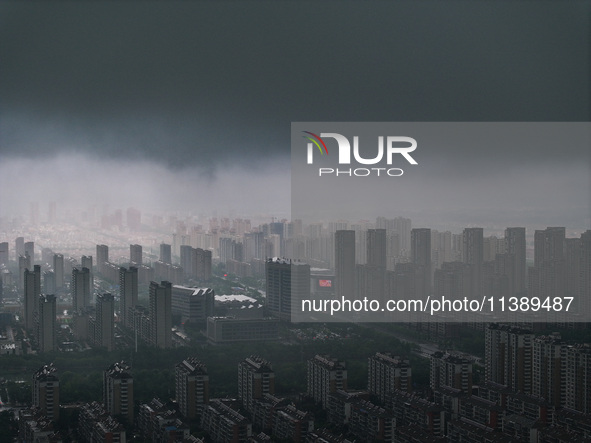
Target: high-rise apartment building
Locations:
point(192, 387)
point(58, 268)
point(387, 373)
point(473, 255)
point(80, 289)
point(578, 378)
point(102, 256)
point(231, 249)
point(549, 369)
point(515, 245)
point(104, 324)
point(572, 266)
point(46, 324)
point(4, 253)
point(128, 292)
point(186, 260)
point(508, 357)
point(548, 276)
point(161, 314)
point(345, 264)
point(370, 277)
point(166, 253)
point(370, 282)
point(32, 291)
point(48, 286)
point(376, 248)
point(453, 280)
point(196, 262)
point(135, 255)
point(287, 283)
point(402, 227)
point(255, 379)
point(118, 391)
point(87, 262)
point(201, 261)
point(46, 391)
point(30, 251)
point(420, 251)
point(46, 256)
point(325, 376)
point(19, 247)
point(24, 262)
point(452, 371)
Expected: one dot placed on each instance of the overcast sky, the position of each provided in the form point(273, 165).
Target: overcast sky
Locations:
point(189, 104)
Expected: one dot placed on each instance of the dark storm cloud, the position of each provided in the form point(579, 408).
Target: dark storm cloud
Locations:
point(209, 83)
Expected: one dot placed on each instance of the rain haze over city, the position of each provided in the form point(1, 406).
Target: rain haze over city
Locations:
point(192, 188)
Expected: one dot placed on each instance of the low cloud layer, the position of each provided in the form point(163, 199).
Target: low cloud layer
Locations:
point(76, 182)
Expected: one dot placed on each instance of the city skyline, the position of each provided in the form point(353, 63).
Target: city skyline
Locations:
point(167, 238)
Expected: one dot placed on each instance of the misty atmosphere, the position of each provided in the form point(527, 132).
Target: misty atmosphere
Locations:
point(174, 268)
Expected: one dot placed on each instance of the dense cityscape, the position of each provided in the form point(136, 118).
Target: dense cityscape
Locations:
point(278, 221)
point(231, 284)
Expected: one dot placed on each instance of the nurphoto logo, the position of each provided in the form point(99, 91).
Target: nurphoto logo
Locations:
point(395, 145)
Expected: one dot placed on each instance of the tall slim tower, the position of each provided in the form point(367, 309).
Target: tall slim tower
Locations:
point(578, 378)
point(473, 254)
point(420, 248)
point(19, 247)
point(201, 262)
point(548, 278)
point(345, 264)
point(102, 256)
point(86, 262)
point(549, 372)
point(451, 370)
point(24, 262)
point(58, 268)
point(135, 255)
point(387, 373)
point(515, 245)
point(278, 287)
point(376, 248)
point(4, 253)
point(128, 281)
point(161, 314)
point(32, 285)
point(118, 390)
point(402, 226)
point(325, 376)
point(166, 253)
point(508, 357)
point(46, 323)
point(30, 251)
point(192, 387)
point(187, 260)
point(104, 326)
point(80, 288)
point(48, 282)
point(255, 379)
point(46, 391)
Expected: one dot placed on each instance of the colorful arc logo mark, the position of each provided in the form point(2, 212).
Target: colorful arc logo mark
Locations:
point(316, 142)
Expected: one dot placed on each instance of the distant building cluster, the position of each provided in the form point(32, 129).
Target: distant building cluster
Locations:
point(534, 387)
point(383, 260)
